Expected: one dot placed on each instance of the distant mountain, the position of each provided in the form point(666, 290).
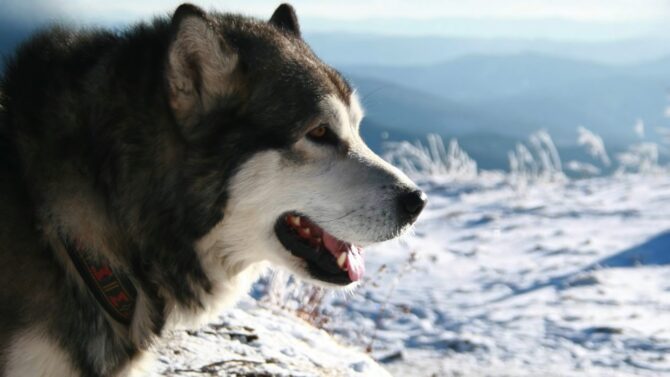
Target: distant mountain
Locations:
point(513, 95)
point(488, 149)
point(490, 103)
point(342, 49)
point(609, 106)
point(486, 76)
point(659, 67)
point(407, 109)
point(396, 113)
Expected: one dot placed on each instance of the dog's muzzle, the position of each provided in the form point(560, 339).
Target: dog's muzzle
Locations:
point(328, 258)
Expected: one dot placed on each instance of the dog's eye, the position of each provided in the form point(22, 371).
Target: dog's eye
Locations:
point(318, 132)
point(322, 134)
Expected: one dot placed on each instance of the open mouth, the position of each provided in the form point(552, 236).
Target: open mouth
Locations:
point(328, 259)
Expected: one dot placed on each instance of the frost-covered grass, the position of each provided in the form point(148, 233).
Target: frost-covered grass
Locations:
point(639, 158)
point(432, 159)
point(594, 143)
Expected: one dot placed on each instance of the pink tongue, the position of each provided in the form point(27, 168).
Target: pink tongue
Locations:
point(355, 263)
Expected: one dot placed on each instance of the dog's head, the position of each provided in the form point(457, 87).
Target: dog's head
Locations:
point(304, 191)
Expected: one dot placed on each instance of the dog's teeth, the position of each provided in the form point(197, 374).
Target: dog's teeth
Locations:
point(295, 220)
point(305, 232)
point(341, 260)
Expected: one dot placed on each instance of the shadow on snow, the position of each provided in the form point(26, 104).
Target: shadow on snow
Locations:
point(653, 252)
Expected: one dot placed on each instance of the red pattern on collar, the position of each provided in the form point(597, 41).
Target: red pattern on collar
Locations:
point(112, 288)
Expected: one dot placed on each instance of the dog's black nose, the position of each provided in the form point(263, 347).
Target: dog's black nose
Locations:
point(411, 203)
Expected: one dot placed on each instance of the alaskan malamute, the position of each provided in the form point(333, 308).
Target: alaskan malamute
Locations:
point(147, 176)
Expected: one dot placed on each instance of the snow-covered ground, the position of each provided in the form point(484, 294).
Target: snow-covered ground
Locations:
point(570, 278)
point(254, 340)
point(557, 279)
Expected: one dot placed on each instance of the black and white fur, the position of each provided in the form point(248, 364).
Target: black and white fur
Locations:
point(170, 149)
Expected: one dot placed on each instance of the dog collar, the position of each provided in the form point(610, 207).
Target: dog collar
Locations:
point(113, 290)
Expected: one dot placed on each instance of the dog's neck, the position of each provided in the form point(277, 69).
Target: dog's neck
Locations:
point(111, 286)
point(90, 248)
point(86, 244)
point(80, 216)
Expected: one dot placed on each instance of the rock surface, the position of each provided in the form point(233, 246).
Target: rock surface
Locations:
point(251, 340)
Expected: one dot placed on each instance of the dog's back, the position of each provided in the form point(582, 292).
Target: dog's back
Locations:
point(43, 310)
point(29, 278)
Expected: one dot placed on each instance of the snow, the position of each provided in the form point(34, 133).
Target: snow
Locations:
point(555, 277)
point(583, 168)
point(253, 340)
point(562, 278)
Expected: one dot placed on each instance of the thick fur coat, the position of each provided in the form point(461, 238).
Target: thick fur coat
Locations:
point(170, 151)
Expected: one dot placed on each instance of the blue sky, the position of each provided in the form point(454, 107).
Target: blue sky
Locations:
point(557, 19)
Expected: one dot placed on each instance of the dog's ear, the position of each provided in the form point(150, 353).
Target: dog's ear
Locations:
point(285, 18)
point(200, 65)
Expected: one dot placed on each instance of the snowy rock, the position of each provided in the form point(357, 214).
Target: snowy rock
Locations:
point(251, 340)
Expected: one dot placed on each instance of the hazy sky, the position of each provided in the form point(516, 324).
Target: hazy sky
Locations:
point(524, 17)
